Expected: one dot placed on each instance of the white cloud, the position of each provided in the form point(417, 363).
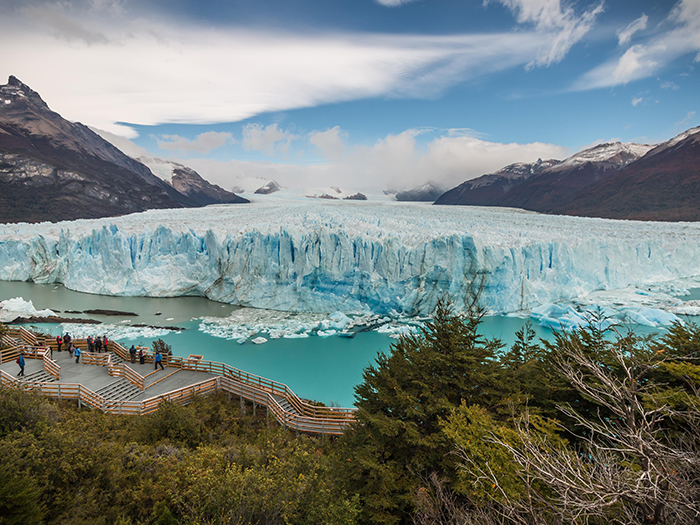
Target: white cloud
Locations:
point(62, 25)
point(122, 142)
point(637, 101)
point(268, 139)
point(149, 73)
point(330, 142)
point(646, 59)
point(670, 85)
point(688, 118)
point(396, 161)
point(203, 143)
point(624, 36)
point(394, 3)
point(565, 27)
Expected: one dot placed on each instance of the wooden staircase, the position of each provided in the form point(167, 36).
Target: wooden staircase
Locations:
point(40, 376)
point(119, 390)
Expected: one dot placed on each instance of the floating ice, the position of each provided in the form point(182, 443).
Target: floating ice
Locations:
point(11, 309)
point(112, 331)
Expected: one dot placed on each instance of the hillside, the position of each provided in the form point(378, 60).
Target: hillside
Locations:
point(612, 180)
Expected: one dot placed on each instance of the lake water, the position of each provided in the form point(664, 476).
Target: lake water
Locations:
point(319, 368)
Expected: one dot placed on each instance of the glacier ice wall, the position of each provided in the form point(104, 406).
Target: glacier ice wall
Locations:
point(351, 257)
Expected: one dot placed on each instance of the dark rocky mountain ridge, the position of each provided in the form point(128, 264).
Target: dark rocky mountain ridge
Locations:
point(52, 169)
point(190, 183)
point(612, 180)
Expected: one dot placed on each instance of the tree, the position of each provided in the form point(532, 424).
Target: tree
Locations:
point(162, 346)
point(403, 399)
point(626, 467)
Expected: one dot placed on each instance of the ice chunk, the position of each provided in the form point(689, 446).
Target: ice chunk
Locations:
point(11, 309)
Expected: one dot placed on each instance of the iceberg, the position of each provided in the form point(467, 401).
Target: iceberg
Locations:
point(11, 309)
point(339, 258)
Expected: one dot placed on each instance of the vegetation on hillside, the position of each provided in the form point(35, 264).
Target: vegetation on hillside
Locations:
point(593, 427)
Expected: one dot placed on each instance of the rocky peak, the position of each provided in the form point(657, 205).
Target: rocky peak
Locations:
point(17, 91)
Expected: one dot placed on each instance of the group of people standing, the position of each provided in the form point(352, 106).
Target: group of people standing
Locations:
point(141, 354)
point(93, 345)
point(157, 358)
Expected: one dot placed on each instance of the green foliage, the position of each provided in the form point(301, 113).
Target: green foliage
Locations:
point(278, 481)
point(86, 467)
point(20, 499)
point(172, 423)
point(3, 331)
point(162, 516)
point(401, 403)
point(23, 411)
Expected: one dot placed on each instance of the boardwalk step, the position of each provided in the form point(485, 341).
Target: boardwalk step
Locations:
point(116, 359)
point(285, 404)
point(40, 375)
point(119, 390)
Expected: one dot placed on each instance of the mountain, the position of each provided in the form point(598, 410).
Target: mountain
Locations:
point(492, 189)
point(428, 192)
point(663, 185)
point(613, 180)
point(52, 169)
point(190, 183)
point(270, 187)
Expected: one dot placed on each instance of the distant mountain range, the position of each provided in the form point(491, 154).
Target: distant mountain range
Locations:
point(613, 180)
point(190, 183)
point(52, 169)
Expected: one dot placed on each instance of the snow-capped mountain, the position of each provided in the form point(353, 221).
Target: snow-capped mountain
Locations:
point(427, 192)
point(595, 181)
point(615, 154)
point(190, 183)
point(663, 185)
point(53, 169)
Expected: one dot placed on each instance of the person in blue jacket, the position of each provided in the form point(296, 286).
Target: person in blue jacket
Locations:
point(21, 363)
point(76, 352)
point(158, 360)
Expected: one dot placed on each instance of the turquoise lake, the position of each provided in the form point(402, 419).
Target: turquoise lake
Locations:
point(318, 368)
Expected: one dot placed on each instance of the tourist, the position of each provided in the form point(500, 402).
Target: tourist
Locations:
point(21, 362)
point(142, 356)
point(98, 344)
point(67, 340)
point(59, 342)
point(132, 353)
point(71, 347)
point(158, 360)
point(90, 344)
point(77, 354)
point(105, 343)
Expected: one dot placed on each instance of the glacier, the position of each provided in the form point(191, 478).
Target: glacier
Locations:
point(386, 258)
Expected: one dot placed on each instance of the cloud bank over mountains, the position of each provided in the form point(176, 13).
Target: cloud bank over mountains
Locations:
point(188, 72)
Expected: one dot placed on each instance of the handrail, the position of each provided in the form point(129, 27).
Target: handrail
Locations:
point(162, 378)
point(93, 358)
point(128, 373)
point(51, 367)
point(309, 418)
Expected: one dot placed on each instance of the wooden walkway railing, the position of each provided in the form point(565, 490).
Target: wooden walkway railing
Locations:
point(306, 417)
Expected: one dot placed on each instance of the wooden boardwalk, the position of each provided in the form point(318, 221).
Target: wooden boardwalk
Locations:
point(109, 382)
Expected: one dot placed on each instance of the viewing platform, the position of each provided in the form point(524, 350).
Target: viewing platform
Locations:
point(108, 381)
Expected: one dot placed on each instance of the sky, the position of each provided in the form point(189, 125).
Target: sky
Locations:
point(363, 94)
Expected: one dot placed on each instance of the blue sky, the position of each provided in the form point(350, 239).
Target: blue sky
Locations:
point(360, 93)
